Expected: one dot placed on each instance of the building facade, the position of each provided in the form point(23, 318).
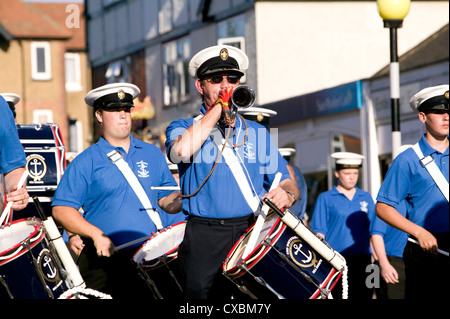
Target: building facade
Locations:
point(297, 49)
point(43, 59)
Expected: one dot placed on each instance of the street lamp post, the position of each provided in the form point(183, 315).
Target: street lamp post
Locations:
point(393, 12)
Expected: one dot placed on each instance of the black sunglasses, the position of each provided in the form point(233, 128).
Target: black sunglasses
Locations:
point(218, 78)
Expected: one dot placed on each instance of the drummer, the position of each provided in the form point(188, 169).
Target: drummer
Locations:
point(113, 215)
point(222, 209)
point(12, 159)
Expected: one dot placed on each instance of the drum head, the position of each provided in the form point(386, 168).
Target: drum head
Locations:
point(163, 242)
point(12, 236)
point(235, 256)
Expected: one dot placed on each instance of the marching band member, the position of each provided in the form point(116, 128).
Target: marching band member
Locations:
point(342, 217)
point(12, 159)
point(221, 202)
point(409, 179)
point(113, 213)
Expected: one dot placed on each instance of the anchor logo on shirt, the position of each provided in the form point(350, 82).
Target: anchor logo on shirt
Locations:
point(248, 153)
point(364, 206)
point(142, 169)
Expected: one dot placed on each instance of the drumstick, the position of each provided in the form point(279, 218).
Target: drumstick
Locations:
point(443, 252)
point(165, 188)
point(7, 210)
point(136, 241)
point(260, 220)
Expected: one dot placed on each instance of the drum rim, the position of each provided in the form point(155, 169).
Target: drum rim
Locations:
point(156, 260)
point(18, 250)
point(257, 253)
point(329, 279)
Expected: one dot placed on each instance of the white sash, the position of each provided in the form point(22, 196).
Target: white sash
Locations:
point(235, 166)
point(236, 169)
point(429, 163)
point(117, 158)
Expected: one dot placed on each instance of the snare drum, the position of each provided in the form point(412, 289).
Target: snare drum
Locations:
point(46, 163)
point(158, 263)
point(46, 157)
point(28, 268)
point(281, 266)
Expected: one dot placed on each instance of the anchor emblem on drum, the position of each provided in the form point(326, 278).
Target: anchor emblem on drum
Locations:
point(298, 249)
point(300, 253)
point(47, 266)
point(36, 167)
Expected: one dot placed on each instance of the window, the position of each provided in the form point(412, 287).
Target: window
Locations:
point(42, 116)
point(118, 71)
point(72, 71)
point(40, 61)
point(107, 3)
point(232, 32)
point(75, 136)
point(176, 55)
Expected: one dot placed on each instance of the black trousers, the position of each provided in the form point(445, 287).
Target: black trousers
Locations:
point(205, 246)
point(427, 275)
point(397, 290)
point(115, 275)
point(357, 288)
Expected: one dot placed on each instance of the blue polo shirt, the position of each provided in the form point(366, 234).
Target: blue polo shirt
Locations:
point(12, 155)
point(408, 180)
point(345, 223)
point(94, 183)
point(221, 197)
point(394, 239)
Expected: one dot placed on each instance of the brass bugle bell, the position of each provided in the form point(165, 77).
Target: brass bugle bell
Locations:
point(243, 97)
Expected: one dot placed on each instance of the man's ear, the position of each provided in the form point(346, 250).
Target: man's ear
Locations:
point(198, 85)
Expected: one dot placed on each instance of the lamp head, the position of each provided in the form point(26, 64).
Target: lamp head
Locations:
point(393, 9)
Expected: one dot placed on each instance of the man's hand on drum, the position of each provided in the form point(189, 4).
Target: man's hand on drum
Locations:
point(104, 245)
point(280, 198)
point(19, 197)
point(76, 244)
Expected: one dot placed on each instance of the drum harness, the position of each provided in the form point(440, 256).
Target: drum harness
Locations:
point(117, 159)
point(429, 164)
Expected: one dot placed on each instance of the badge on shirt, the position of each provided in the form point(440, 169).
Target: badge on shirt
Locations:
point(248, 153)
point(364, 206)
point(142, 169)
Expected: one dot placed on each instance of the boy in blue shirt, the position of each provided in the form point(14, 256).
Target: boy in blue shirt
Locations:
point(113, 214)
point(342, 217)
point(427, 207)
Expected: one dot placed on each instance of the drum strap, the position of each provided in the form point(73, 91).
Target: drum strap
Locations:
point(430, 165)
point(235, 166)
point(117, 159)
